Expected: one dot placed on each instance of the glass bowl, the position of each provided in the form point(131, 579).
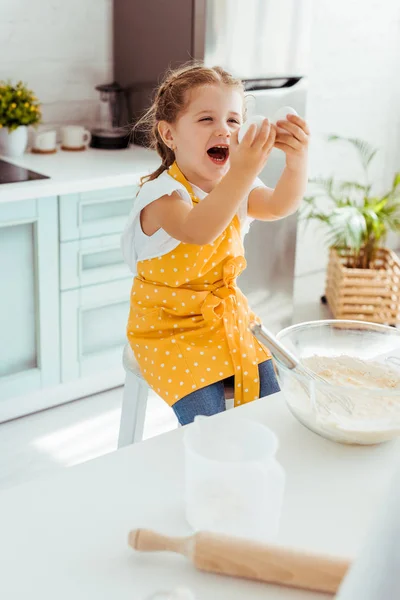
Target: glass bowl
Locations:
point(374, 413)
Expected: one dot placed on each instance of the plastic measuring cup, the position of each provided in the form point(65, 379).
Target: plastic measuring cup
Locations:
point(233, 483)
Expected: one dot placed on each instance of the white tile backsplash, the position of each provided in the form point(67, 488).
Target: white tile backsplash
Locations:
point(61, 50)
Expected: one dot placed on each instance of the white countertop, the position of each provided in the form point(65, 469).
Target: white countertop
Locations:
point(79, 171)
point(65, 537)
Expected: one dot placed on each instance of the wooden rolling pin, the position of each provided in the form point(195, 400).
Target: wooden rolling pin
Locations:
point(240, 558)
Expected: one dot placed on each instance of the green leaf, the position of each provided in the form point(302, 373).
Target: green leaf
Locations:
point(346, 227)
point(365, 150)
point(309, 199)
point(370, 213)
point(352, 219)
point(327, 184)
point(353, 185)
point(18, 105)
point(376, 204)
point(396, 182)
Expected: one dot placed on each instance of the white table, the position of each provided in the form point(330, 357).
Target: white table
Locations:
point(64, 537)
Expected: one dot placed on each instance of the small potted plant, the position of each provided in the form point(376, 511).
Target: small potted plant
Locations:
point(18, 108)
point(363, 277)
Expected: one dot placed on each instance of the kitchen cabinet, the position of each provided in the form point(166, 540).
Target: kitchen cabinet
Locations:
point(65, 289)
point(65, 292)
point(94, 213)
point(93, 328)
point(91, 261)
point(95, 282)
point(29, 299)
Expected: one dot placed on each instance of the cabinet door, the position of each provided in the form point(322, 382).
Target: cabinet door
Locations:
point(93, 328)
point(99, 212)
point(29, 307)
point(95, 260)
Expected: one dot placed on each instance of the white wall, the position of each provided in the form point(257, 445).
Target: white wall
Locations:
point(354, 91)
point(61, 49)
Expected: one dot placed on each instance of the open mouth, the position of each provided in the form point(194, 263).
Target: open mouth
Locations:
point(218, 154)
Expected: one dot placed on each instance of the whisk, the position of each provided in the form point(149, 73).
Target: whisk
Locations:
point(282, 354)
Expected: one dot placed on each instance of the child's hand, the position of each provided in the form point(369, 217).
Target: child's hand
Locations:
point(293, 141)
point(250, 156)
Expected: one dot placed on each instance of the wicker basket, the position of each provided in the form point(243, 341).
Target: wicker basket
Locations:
point(364, 294)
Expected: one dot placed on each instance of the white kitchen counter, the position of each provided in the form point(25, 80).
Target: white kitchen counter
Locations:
point(66, 537)
point(79, 171)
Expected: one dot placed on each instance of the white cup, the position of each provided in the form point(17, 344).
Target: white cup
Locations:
point(45, 141)
point(233, 483)
point(75, 137)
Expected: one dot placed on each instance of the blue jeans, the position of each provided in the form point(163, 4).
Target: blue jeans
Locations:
point(210, 400)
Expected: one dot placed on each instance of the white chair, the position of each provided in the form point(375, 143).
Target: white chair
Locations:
point(134, 401)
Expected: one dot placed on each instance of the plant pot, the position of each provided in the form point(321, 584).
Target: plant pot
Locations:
point(13, 143)
point(364, 294)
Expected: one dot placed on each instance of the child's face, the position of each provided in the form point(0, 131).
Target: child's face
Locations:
point(202, 133)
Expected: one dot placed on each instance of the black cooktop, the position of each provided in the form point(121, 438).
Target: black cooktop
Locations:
point(10, 173)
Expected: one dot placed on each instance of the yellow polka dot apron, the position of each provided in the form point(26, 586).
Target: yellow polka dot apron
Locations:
point(188, 321)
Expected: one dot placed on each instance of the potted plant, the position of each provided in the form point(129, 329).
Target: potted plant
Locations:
point(363, 277)
point(18, 108)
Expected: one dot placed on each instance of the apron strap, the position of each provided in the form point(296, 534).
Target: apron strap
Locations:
point(177, 174)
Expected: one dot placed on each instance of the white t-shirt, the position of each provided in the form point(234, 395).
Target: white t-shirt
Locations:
point(137, 246)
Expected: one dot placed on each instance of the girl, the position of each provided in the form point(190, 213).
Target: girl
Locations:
point(188, 321)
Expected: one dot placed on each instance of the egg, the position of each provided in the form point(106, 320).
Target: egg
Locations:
point(282, 113)
point(256, 119)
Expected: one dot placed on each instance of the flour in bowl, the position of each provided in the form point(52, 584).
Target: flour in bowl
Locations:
point(354, 372)
point(375, 415)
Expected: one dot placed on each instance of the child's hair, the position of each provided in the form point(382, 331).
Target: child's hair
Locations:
point(171, 98)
